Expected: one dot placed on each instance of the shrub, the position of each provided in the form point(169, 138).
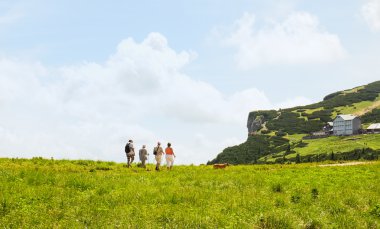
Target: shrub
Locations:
point(376, 211)
point(298, 158)
point(314, 193)
point(371, 117)
point(281, 133)
point(277, 188)
point(313, 224)
point(295, 198)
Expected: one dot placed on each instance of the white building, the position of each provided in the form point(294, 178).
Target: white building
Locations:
point(374, 128)
point(346, 125)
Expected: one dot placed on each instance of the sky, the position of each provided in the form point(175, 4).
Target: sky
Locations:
point(78, 79)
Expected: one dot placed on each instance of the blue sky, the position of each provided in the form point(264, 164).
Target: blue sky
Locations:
point(78, 79)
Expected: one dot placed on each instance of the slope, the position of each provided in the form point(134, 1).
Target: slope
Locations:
point(289, 126)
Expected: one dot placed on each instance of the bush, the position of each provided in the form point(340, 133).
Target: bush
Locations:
point(314, 193)
point(277, 188)
point(376, 211)
point(371, 117)
point(281, 133)
point(292, 123)
point(323, 115)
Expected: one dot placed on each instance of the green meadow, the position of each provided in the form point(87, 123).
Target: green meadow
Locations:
point(40, 193)
point(340, 145)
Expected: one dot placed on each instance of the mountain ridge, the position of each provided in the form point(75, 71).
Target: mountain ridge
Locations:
point(278, 136)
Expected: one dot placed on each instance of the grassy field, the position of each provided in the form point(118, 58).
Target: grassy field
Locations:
point(340, 144)
point(42, 193)
point(335, 144)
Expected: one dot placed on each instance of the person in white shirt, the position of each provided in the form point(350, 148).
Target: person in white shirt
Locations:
point(158, 152)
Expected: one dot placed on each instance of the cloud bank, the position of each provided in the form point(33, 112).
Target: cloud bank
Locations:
point(299, 39)
point(371, 14)
point(90, 110)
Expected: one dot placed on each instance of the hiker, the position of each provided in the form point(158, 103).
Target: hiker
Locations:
point(143, 154)
point(158, 152)
point(169, 156)
point(130, 151)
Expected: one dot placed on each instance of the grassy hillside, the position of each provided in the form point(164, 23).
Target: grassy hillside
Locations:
point(363, 147)
point(290, 125)
point(41, 193)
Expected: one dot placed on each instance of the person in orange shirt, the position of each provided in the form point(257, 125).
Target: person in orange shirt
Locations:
point(169, 156)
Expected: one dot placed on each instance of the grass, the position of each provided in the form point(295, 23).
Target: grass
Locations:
point(42, 193)
point(353, 90)
point(359, 108)
point(356, 107)
point(339, 144)
point(295, 137)
point(336, 144)
point(310, 111)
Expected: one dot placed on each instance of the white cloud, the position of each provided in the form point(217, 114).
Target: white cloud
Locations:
point(299, 39)
point(89, 110)
point(371, 13)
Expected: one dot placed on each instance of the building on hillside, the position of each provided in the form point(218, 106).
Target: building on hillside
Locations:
point(374, 128)
point(346, 125)
point(329, 128)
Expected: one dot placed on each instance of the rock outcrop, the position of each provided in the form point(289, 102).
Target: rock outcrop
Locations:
point(255, 123)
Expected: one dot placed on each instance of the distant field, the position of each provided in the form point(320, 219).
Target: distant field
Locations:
point(41, 193)
point(340, 144)
point(360, 108)
point(332, 144)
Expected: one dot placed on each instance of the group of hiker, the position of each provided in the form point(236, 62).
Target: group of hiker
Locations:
point(158, 153)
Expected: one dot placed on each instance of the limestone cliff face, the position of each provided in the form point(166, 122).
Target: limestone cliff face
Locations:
point(255, 123)
point(257, 119)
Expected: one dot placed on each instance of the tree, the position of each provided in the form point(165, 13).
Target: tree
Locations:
point(332, 156)
point(298, 158)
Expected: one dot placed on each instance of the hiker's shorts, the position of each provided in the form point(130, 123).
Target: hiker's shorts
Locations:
point(169, 160)
point(158, 158)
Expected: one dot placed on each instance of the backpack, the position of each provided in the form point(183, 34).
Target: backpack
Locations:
point(155, 151)
point(127, 148)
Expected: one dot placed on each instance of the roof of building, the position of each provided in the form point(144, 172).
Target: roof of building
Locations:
point(347, 117)
point(374, 126)
point(330, 123)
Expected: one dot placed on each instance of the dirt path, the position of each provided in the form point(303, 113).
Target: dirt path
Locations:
point(346, 164)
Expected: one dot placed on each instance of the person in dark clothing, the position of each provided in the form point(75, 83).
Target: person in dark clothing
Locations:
point(143, 154)
point(130, 152)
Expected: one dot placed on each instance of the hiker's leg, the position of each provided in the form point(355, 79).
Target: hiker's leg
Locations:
point(158, 159)
point(170, 160)
point(158, 165)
